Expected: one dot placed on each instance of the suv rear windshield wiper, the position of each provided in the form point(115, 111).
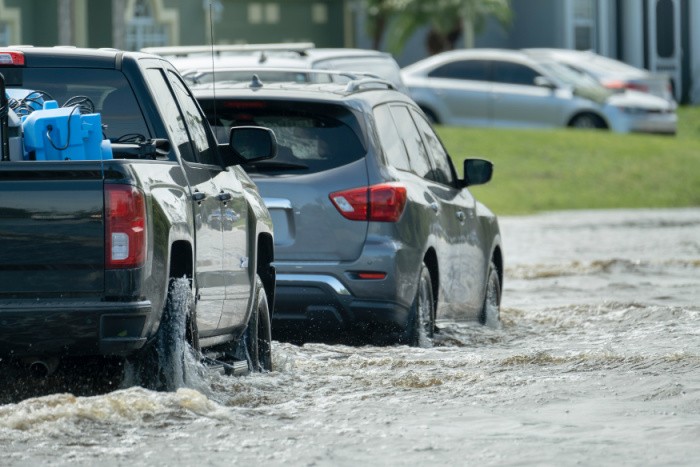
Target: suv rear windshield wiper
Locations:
point(263, 166)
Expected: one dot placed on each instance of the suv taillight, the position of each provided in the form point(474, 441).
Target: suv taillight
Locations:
point(380, 203)
point(125, 227)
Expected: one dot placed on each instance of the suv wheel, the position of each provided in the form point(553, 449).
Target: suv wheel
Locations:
point(421, 326)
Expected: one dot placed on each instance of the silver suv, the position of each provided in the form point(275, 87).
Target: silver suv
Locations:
point(375, 234)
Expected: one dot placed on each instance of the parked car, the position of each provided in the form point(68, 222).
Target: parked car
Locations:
point(611, 73)
point(135, 234)
point(507, 88)
point(284, 55)
point(375, 234)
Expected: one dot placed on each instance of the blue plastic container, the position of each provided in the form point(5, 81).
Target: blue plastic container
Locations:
point(62, 133)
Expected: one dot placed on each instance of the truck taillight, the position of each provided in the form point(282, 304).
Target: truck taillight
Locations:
point(125, 227)
point(11, 58)
point(381, 203)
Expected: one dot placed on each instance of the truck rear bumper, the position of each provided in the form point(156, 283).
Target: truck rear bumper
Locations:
point(76, 327)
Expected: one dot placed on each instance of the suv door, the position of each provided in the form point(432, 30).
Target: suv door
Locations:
point(463, 252)
point(452, 217)
point(232, 213)
point(206, 207)
point(319, 152)
point(518, 101)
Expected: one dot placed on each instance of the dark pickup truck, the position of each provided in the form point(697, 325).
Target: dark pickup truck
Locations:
point(126, 230)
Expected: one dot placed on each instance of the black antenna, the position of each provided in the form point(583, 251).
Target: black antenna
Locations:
point(213, 70)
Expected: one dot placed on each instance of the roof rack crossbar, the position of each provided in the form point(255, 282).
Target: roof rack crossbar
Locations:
point(363, 83)
point(185, 50)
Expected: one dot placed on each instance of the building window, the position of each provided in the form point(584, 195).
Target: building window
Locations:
point(142, 29)
point(665, 29)
point(585, 13)
point(10, 25)
point(259, 13)
point(5, 36)
point(319, 13)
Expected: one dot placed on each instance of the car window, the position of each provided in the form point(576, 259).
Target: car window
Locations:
point(443, 169)
point(513, 73)
point(311, 137)
point(205, 150)
point(417, 155)
point(463, 69)
point(175, 124)
point(393, 147)
point(382, 67)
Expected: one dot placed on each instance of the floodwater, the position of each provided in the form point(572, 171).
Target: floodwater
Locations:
point(597, 362)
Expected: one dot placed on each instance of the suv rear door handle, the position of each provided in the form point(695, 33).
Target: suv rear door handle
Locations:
point(198, 196)
point(434, 206)
point(461, 216)
point(224, 196)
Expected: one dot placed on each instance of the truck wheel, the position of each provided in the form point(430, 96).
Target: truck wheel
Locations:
point(258, 334)
point(170, 362)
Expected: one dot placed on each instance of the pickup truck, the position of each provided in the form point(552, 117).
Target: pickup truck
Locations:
point(126, 231)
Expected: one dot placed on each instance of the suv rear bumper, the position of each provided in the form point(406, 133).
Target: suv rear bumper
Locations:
point(316, 305)
point(75, 327)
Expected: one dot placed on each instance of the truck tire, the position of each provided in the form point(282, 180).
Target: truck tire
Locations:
point(171, 361)
point(258, 333)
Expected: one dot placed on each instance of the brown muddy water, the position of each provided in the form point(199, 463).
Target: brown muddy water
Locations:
point(597, 362)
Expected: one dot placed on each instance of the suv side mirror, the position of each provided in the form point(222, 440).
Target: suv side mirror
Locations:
point(250, 144)
point(477, 172)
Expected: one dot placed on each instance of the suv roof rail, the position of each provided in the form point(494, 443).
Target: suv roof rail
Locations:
point(368, 82)
point(185, 50)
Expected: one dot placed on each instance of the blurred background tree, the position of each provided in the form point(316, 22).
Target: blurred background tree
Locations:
point(446, 21)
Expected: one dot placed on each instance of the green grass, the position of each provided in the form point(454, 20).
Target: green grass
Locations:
point(543, 170)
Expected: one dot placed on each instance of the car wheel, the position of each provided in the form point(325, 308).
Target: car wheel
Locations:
point(588, 121)
point(491, 311)
point(258, 334)
point(421, 326)
point(164, 365)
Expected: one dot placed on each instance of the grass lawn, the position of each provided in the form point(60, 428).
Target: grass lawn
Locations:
point(542, 170)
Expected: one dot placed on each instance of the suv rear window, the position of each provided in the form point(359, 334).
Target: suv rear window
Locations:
point(311, 137)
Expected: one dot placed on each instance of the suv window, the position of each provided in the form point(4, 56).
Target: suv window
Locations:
point(420, 163)
point(311, 137)
point(477, 70)
point(394, 150)
point(443, 169)
point(513, 73)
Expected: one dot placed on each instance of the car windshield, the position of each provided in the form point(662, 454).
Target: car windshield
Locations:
point(311, 137)
point(568, 75)
point(582, 84)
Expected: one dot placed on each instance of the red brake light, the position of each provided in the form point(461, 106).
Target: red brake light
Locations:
point(616, 84)
point(11, 58)
point(125, 227)
point(380, 203)
point(375, 276)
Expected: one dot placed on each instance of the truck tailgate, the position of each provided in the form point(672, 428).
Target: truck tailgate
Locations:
point(51, 230)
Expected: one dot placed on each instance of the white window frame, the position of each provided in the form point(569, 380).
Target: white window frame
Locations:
point(11, 21)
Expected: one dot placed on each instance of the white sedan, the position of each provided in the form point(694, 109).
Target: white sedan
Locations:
point(507, 88)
